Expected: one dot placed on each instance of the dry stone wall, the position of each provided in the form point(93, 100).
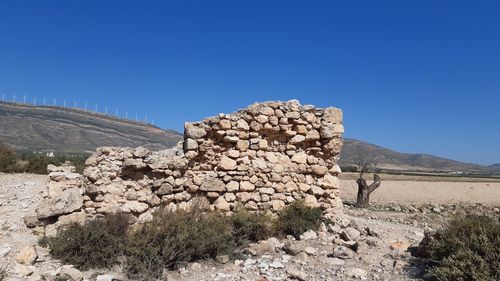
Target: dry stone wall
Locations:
point(262, 157)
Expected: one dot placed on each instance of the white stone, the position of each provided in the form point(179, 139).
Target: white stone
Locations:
point(297, 139)
point(308, 235)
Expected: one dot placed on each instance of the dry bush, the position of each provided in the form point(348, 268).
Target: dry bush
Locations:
point(252, 227)
point(172, 238)
point(97, 244)
point(176, 237)
point(467, 249)
point(298, 218)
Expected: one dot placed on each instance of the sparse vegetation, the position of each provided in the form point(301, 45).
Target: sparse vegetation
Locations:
point(297, 218)
point(176, 237)
point(467, 249)
point(172, 238)
point(97, 244)
point(252, 227)
point(12, 161)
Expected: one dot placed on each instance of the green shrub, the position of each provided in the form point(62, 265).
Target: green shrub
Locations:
point(30, 162)
point(298, 218)
point(252, 226)
point(468, 248)
point(176, 237)
point(97, 244)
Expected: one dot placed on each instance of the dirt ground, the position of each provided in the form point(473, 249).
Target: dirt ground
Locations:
point(380, 257)
point(427, 191)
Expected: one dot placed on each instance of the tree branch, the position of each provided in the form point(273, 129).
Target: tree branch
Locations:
point(375, 184)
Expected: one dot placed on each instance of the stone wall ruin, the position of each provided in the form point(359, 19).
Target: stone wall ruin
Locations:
point(262, 157)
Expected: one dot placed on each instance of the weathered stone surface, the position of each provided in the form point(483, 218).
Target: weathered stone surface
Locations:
point(213, 184)
point(134, 207)
point(300, 158)
point(227, 164)
point(141, 152)
point(70, 201)
point(222, 204)
point(246, 186)
point(134, 163)
point(297, 139)
point(194, 132)
point(350, 234)
point(32, 221)
point(330, 182)
point(190, 144)
point(330, 131)
point(332, 115)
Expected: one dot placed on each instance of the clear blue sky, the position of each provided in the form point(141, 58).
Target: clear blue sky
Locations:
point(414, 76)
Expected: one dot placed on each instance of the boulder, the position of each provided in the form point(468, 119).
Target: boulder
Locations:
point(71, 200)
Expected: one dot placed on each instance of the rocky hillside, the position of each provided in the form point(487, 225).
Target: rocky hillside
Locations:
point(75, 131)
point(389, 159)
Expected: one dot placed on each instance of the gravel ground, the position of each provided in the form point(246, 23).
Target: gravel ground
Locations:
point(382, 238)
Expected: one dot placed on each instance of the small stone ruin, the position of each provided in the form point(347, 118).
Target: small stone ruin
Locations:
point(262, 158)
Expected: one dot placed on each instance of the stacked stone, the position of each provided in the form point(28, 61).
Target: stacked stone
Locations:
point(133, 180)
point(266, 156)
point(63, 200)
point(262, 157)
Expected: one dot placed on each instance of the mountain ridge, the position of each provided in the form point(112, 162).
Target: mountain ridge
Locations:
point(69, 130)
point(47, 128)
point(390, 159)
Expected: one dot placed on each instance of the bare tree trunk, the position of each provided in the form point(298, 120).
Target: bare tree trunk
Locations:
point(364, 190)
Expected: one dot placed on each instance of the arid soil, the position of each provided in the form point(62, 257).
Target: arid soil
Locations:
point(427, 190)
point(382, 236)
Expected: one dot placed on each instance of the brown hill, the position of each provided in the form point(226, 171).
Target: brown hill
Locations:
point(386, 158)
point(44, 128)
